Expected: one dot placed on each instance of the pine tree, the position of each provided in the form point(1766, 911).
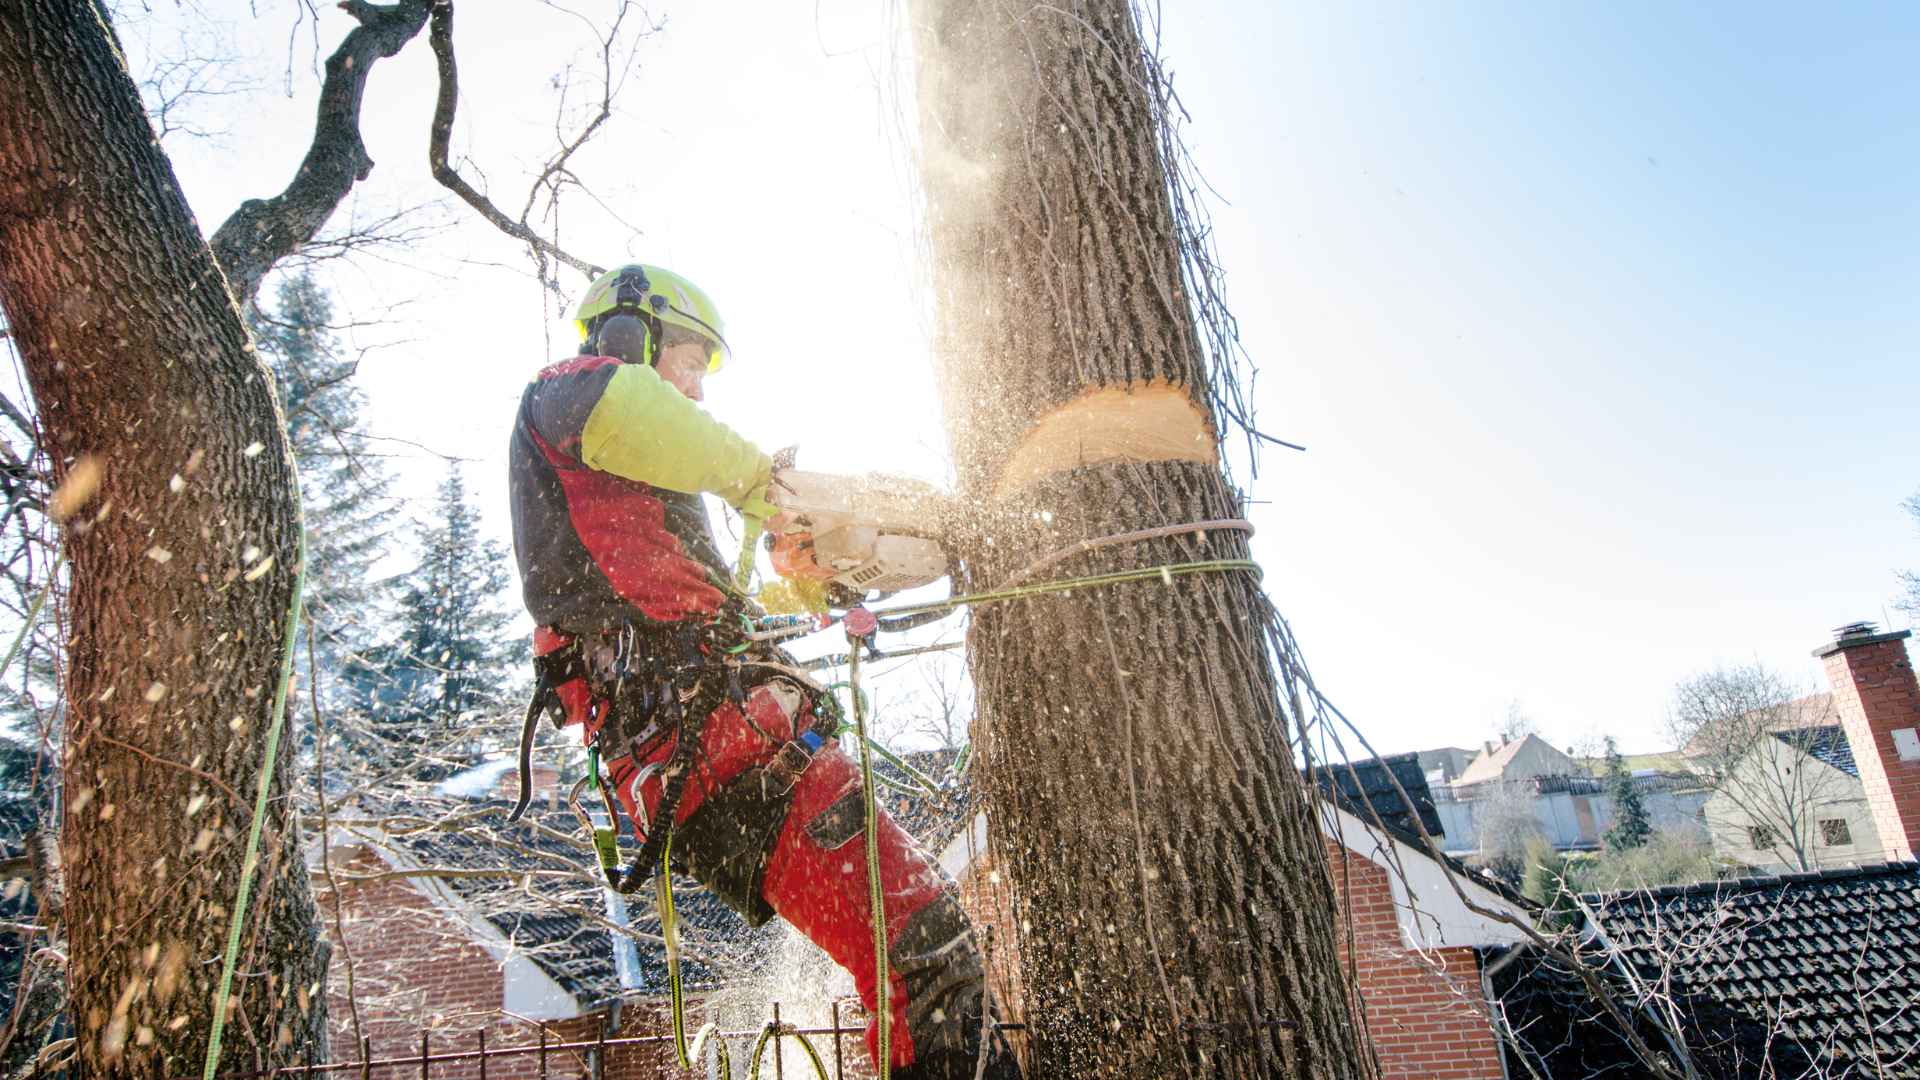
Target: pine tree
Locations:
point(344, 491)
point(1631, 828)
point(452, 655)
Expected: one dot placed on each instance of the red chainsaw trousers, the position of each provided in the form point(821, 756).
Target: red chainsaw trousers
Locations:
point(822, 892)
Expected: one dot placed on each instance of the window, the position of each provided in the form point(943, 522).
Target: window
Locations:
point(1834, 832)
point(1760, 837)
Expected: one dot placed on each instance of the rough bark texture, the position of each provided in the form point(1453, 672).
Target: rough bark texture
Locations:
point(139, 362)
point(1176, 914)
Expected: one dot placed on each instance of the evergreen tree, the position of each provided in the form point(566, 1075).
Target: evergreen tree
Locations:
point(1631, 828)
point(344, 491)
point(453, 654)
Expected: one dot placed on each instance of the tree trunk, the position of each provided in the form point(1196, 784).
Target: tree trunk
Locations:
point(142, 368)
point(1176, 916)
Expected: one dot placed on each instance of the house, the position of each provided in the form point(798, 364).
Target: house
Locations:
point(424, 951)
point(516, 956)
point(1526, 758)
point(1803, 974)
point(1795, 801)
point(1444, 764)
point(1418, 925)
point(1825, 785)
point(1568, 805)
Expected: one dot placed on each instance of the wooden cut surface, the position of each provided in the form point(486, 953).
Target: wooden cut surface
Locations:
point(1149, 422)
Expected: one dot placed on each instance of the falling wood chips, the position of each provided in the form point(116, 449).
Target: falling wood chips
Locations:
point(1140, 422)
point(81, 481)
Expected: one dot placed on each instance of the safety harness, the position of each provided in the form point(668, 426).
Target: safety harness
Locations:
point(639, 686)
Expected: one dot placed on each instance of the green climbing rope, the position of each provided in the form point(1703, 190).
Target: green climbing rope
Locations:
point(33, 613)
point(670, 935)
point(883, 1011)
point(876, 897)
point(252, 862)
point(767, 1034)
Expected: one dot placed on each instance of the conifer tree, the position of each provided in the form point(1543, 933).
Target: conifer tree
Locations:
point(1631, 828)
point(452, 654)
point(344, 492)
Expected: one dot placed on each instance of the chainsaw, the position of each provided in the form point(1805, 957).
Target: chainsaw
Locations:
point(858, 534)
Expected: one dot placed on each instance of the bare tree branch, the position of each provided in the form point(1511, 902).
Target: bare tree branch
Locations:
point(440, 35)
point(263, 231)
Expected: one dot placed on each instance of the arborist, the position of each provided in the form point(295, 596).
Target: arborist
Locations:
point(713, 743)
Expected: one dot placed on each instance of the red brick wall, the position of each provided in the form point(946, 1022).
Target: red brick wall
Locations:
point(989, 903)
point(1875, 693)
point(1426, 1012)
point(415, 969)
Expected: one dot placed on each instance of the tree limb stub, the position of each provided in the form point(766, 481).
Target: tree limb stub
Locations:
point(1135, 422)
point(263, 231)
point(440, 35)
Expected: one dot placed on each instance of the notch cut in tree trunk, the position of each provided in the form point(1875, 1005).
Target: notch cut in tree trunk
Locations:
point(1111, 424)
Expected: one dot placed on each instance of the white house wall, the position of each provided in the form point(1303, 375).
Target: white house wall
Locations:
point(1431, 912)
point(1839, 795)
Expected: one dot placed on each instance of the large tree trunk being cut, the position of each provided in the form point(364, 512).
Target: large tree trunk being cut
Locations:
point(182, 567)
point(1176, 913)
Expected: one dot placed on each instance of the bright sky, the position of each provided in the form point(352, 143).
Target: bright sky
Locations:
point(1597, 321)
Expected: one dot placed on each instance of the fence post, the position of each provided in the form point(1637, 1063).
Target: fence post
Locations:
point(423, 1055)
point(839, 1067)
point(600, 1049)
point(779, 1068)
point(366, 1057)
point(483, 1054)
point(543, 1052)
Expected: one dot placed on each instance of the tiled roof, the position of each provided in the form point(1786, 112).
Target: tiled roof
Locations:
point(1827, 743)
point(575, 950)
point(1823, 967)
point(1796, 975)
point(1814, 710)
point(1366, 788)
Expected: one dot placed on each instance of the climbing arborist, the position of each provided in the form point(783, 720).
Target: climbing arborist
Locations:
point(713, 744)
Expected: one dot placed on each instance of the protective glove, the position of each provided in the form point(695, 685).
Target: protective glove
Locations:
point(758, 503)
point(790, 596)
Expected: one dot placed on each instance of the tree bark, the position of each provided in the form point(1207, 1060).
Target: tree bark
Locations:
point(140, 364)
point(1174, 908)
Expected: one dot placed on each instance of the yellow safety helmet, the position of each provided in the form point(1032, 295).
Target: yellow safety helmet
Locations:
point(660, 298)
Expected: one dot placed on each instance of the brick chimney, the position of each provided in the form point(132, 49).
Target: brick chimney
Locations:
point(546, 785)
point(1879, 705)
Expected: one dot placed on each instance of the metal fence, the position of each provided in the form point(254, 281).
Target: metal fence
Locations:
point(555, 1059)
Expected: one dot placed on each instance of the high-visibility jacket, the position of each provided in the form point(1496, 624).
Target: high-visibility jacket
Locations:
point(606, 468)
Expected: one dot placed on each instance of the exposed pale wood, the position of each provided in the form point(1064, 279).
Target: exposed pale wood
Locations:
point(1108, 425)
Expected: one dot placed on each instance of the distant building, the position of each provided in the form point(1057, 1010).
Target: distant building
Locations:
point(1526, 758)
point(1569, 803)
point(1801, 974)
point(1443, 765)
point(1797, 794)
point(1831, 792)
